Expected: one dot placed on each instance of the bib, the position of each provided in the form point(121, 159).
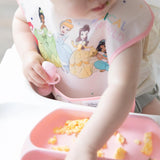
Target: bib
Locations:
point(82, 49)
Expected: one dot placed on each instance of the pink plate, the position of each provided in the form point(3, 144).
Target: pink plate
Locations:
point(36, 146)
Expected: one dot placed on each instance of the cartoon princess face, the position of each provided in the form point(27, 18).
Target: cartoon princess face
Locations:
point(103, 48)
point(64, 29)
point(41, 16)
point(66, 26)
point(84, 35)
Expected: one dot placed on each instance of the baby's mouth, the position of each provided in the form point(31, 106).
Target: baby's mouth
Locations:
point(100, 7)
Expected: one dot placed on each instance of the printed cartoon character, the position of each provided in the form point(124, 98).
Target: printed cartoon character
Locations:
point(81, 41)
point(42, 18)
point(80, 64)
point(46, 42)
point(64, 51)
point(102, 63)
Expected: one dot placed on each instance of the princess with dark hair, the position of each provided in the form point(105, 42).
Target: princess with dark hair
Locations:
point(102, 63)
point(82, 39)
point(80, 63)
point(46, 42)
point(42, 18)
point(83, 36)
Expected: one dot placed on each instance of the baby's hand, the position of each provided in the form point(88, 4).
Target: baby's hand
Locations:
point(33, 71)
point(81, 153)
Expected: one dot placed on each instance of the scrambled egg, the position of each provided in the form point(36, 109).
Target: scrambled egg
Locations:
point(147, 147)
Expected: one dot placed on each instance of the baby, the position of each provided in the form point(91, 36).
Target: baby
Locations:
point(97, 47)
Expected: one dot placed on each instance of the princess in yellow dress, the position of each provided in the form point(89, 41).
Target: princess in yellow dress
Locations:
point(80, 64)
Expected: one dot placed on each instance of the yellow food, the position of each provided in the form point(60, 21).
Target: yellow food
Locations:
point(147, 147)
point(138, 142)
point(120, 153)
point(52, 140)
point(61, 148)
point(100, 153)
point(121, 139)
point(71, 127)
point(75, 127)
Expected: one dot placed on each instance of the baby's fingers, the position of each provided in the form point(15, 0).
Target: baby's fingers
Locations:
point(34, 78)
point(41, 72)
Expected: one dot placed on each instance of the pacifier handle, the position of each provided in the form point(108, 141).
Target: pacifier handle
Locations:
point(50, 69)
point(57, 80)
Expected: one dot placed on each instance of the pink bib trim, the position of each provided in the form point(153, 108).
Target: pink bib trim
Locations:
point(136, 39)
point(89, 101)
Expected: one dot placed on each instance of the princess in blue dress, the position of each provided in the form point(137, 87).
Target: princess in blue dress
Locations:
point(63, 49)
point(102, 63)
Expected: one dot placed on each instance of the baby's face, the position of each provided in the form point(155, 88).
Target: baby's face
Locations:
point(83, 9)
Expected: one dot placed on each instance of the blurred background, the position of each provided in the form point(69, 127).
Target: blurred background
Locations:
point(7, 9)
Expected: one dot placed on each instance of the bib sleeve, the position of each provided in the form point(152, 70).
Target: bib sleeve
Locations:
point(127, 23)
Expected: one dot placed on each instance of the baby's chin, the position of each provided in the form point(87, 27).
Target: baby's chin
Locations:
point(90, 15)
point(101, 14)
point(95, 15)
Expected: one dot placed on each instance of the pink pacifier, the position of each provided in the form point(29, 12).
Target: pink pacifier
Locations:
point(50, 69)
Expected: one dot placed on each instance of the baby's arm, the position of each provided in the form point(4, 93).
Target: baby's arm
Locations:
point(27, 49)
point(114, 106)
